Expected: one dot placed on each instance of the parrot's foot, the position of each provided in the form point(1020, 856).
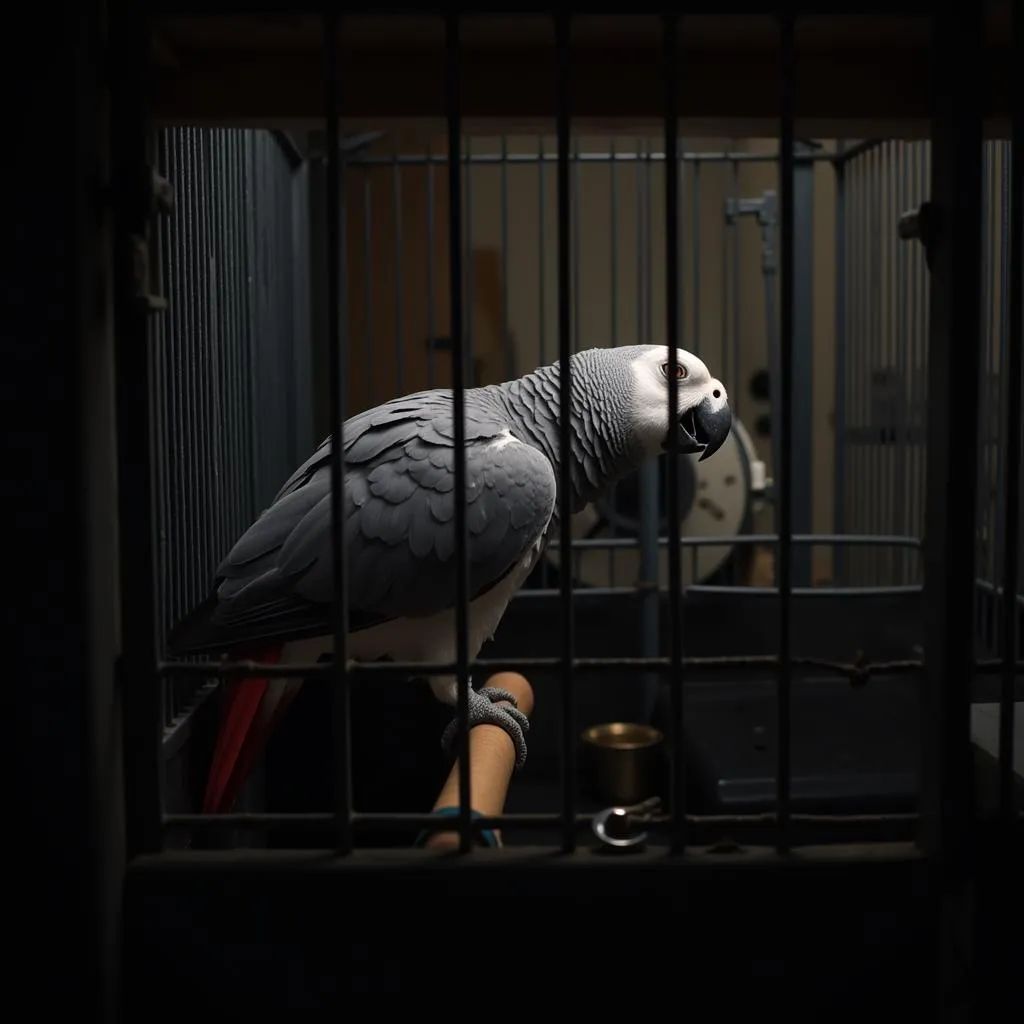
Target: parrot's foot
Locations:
point(484, 711)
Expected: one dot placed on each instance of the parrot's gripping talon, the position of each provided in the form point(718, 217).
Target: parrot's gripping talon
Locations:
point(484, 710)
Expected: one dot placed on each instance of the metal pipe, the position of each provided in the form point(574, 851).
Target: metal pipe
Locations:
point(754, 665)
point(506, 339)
point(695, 303)
point(562, 24)
point(675, 579)
point(718, 157)
point(469, 259)
point(1012, 480)
point(137, 666)
point(396, 185)
point(453, 117)
point(337, 341)
point(431, 284)
point(953, 366)
point(648, 480)
point(369, 382)
point(784, 487)
point(613, 187)
point(542, 287)
point(840, 565)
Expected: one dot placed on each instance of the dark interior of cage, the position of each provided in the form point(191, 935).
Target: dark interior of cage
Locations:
point(241, 399)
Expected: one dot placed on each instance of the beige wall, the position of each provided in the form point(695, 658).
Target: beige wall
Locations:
point(715, 322)
point(888, 486)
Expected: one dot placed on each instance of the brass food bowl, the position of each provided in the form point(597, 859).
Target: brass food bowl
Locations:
point(622, 761)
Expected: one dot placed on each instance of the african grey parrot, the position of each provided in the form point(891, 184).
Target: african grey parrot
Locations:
point(272, 594)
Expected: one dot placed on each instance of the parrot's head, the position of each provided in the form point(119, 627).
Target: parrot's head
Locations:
point(702, 420)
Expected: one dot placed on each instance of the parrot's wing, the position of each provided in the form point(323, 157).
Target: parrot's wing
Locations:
point(399, 535)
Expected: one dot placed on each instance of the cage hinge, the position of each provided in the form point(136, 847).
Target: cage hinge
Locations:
point(151, 301)
point(158, 194)
point(161, 192)
point(924, 224)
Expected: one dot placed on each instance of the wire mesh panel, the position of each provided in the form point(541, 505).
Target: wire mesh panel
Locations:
point(443, 329)
point(882, 373)
point(230, 374)
point(395, 209)
point(885, 285)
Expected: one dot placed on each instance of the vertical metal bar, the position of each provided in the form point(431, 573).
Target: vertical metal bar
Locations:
point(469, 258)
point(576, 246)
point(396, 185)
point(903, 346)
point(984, 600)
point(802, 490)
point(542, 318)
point(642, 244)
point(613, 186)
point(562, 24)
point(727, 237)
point(647, 475)
point(839, 556)
point(1012, 480)
point(367, 173)
point(890, 240)
point(137, 665)
point(876, 448)
point(506, 340)
point(675, 569)
point(734, 371)
point(575, 219)
point(954, 350)
point(913, 400)
point(563, 559)
point(431, 282)
point(337, 341)
point(853, 303)
point(453, 116)
point(695, 301)
point(784, 488)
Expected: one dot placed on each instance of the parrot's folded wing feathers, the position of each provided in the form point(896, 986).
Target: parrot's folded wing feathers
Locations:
point(399, 528)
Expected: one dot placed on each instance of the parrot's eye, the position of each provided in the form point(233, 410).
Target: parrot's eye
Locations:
point(681, 371)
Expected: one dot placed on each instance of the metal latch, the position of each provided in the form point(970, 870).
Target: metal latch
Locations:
point(621, 827)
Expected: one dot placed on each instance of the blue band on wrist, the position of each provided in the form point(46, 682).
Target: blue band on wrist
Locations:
point(486, 837)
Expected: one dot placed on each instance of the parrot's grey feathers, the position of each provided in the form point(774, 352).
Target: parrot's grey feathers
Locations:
point(399, 530)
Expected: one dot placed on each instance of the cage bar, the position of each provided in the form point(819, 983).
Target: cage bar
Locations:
point(132, 221)
point(672, 310)
point(1014, 380)
point(562, 107)
point(396, 199)
point(954, 356)
point(337, 342)
point(455, 284)
point(840, 561)
point(784, 489)
point(619, 156)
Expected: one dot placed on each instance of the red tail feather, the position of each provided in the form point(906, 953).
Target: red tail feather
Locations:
point(241, 738)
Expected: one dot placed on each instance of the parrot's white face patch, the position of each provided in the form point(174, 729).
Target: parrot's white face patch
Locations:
point(651, 395)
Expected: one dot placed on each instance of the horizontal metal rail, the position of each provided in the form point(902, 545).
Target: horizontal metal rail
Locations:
point(623, 157)
point(746, 539)
point(855, 671)
point(431, 823)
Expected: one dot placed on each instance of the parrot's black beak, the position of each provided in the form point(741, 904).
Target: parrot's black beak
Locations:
point(703, 429)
